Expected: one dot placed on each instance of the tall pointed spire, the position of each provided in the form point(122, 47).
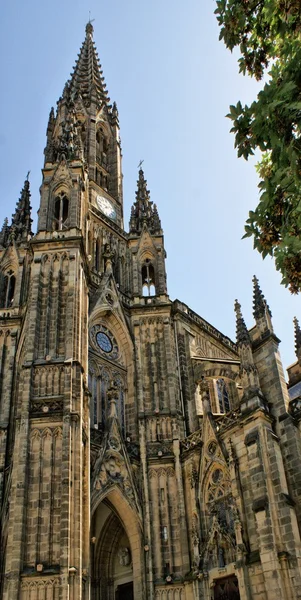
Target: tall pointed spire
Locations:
point(297, 338)
point(87, 78)
point(20, 229)
point(242, 334)
point(143, 210)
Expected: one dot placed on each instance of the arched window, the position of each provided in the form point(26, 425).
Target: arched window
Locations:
point(7, 291)
point(223, 395)
point(102, 147)
point(61, 212)
point(148, 279)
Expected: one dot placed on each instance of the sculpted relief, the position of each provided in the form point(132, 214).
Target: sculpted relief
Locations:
point(113, 470)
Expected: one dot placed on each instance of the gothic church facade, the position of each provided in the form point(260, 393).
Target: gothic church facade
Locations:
point(144, 455)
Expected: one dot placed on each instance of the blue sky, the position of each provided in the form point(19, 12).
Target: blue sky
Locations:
point(173, 82)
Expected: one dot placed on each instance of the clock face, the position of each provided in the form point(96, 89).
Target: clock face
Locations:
point(106, 206)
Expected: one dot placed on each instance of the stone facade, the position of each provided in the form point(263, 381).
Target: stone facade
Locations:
point(143, 453)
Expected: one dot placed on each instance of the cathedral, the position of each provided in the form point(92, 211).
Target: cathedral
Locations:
point(144, 455)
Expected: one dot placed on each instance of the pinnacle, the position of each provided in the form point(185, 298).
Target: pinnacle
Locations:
point(242, 334)
point(4, 233)
point(259, 302)
point(297, 337)
point(143, 210)
point(21, 219)
point(89, 29)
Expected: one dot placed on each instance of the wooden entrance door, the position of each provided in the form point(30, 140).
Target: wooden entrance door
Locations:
point(125, 592)
point(226, 589)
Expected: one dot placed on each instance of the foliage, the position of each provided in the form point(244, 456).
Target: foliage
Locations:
point(268, 34)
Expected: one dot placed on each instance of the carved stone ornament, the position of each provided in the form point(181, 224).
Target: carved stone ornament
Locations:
point(113, 470)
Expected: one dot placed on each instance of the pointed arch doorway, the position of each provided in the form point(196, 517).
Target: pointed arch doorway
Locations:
point(115, 551)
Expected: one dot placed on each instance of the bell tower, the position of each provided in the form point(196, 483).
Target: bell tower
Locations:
point(45, 533)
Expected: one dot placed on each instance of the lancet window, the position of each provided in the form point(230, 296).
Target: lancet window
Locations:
point(61, 212)
point(148, 279)
point(102, 147)
point(7, 289)
point(220, 547)
point(222, 395)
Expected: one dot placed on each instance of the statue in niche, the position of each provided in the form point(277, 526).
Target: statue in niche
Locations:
point(124, 556)
point(221, 557)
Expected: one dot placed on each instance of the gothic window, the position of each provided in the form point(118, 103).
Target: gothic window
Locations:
point(218, 499)
point(148, 279)
point(61, 211)
point(223, 396)
point(220, 512)
point(7, 291)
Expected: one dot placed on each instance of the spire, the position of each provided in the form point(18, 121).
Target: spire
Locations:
point(143, 210)
point(242, 334)
point(297, 338)
point(20, 228)
point(87, 77)
point(260, 305)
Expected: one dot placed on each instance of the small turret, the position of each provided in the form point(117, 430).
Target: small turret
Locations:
point(143, 211)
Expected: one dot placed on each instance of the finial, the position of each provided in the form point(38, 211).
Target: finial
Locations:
point(140, 165)
point(89, 26)
point(242, 334)
point(259, 302)
point(297, 337)
point(27, 176)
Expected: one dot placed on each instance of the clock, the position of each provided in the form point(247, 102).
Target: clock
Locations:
point(107, 207)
